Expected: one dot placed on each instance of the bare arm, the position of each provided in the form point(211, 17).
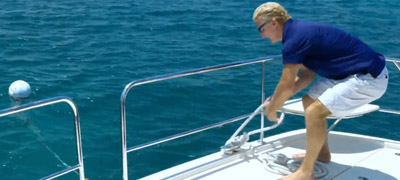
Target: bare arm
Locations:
point(288, 85)
point(285, 88)
point(306, 77)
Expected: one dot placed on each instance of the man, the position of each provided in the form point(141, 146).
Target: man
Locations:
point(351, 75)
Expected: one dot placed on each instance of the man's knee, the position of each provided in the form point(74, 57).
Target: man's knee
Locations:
point(316, 111)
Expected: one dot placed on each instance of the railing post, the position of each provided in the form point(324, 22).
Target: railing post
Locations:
point(123, 135)
point(262, 101)
point(78, 139)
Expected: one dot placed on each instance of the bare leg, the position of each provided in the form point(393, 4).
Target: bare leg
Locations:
point(324, 154)
point(316, 124)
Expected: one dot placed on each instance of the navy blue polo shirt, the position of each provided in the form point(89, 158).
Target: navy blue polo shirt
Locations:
point(328, 51)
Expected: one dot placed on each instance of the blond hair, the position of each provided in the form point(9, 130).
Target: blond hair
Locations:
point(270, 10)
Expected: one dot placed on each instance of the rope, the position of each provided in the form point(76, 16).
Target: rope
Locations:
point(282, 165)
point(235, 142)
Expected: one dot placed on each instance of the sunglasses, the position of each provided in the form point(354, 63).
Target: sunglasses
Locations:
point(261, 28)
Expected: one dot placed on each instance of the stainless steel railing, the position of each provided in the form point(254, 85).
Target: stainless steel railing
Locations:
point(50, 101)
point(395, 61)
point(132, 84)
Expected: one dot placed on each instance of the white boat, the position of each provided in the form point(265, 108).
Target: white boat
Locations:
point(354, 156)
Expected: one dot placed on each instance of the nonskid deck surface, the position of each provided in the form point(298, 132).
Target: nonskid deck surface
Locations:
point(353, 157)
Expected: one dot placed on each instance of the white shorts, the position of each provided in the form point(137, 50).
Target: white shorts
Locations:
point(342, 97)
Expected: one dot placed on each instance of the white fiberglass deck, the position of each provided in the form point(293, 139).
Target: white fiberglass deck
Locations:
point(353, 157)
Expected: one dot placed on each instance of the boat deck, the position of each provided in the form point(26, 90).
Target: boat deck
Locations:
point(353, 157)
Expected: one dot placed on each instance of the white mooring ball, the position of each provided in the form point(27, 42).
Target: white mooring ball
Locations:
point(19, 89)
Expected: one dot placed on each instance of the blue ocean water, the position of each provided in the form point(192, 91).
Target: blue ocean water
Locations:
point(89, 50)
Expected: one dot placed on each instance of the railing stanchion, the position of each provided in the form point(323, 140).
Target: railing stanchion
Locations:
point(123, 136)
point(262, 101)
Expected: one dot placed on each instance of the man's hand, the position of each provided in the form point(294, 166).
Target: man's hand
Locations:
point(271, 114)
point(283, 91)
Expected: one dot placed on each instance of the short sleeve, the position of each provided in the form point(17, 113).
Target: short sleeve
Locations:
point(294, 52)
